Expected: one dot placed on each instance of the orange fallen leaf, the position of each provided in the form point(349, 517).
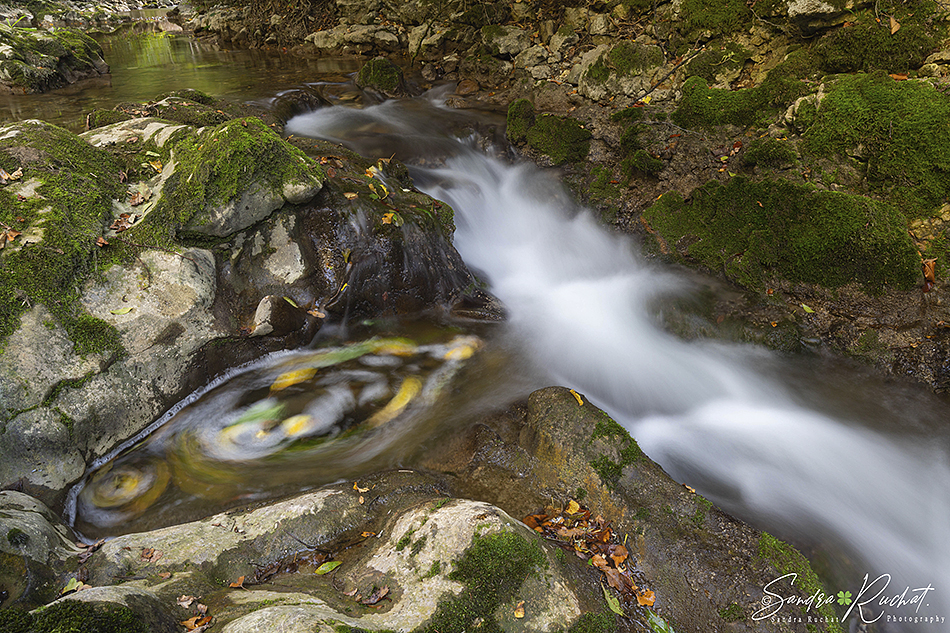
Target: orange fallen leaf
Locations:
point(646, 599)
point(239, 584)
point(898, 77)
point(356, 487)
point(929, 267)
point(196, 622)
point(619, 555)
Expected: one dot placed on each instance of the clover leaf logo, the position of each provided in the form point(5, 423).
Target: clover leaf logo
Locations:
point(844, 598)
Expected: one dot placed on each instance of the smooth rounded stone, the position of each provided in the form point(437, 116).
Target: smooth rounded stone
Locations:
point(507, 41)
point(298, 618)
point(232, 542)
point(437, 537)
point(145, 130)
point(34, 549)
point(35, 360)
point(39, 452)
point(276, 317)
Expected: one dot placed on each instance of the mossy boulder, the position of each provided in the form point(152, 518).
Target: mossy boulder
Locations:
point(899, 132)
point(33, 61)
point(753, 231)
point(563, 139)
point(626, 68)
point(382, 75)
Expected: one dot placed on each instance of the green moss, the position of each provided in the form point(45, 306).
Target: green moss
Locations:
point(903, 128)
point(595, 623)
point(787, 560)
point(73, 206)
point(73, 616)
point(870, 348)
point(716, 59)
point(752, 231)
point(417, 546)
point(627, 115)
point(17, 537)
point(15, 621)
point(100, 117)
point(704, 106)
point(404, 542)
point(768, 152)
point(520, 120)
point(626, 58)
point(703, 506)
point(580, 494)
point(379, 74)
point(434, 570)
point(718, 17)
point(609, 470)
point(641, 161)
point(601, 187)
point(732, 613)
point(561, 138)
point(491, 570)
point(867, 45)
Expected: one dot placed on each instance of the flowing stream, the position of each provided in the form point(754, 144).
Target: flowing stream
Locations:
point(857, 476)
point(852, 469)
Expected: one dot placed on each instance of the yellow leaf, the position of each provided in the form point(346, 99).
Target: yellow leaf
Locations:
point(387, 218)
point(350, 195)
point(409, 389)
point(807, 309)
point(573, 507)
point(291, 378)
point(156, 165)
point(328, 566)
point(356, 487)
point(519, 610)
point(577, 396)
point(647, 99)
point(296, 425)
point(894, 25)
point(124, 310)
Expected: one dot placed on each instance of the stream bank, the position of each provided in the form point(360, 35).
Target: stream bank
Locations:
point(680, 97)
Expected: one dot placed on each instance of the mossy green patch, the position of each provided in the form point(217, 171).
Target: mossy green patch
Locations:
point(903, 130)
point(705, 106)
point(641, 162)
point(15, 621)
point(752, 231)
point(491, 570)
point(868, 44)
point(379, 74)
point(716, 17)
point(609, 470)
point(71, 206)
point(768, 152)
point(717, 59)
point(595, 623)
point(787, 560)
point(35, 57)
point(564, 139)
point(73, 616)
point(732, 613)
point(520, 120)
point(626, 58)
point(17, 537)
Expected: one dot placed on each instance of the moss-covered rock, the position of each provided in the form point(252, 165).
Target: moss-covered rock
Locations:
point(563, 139)
point(752, 231)
point(34, 61)
point(898, 130)
point(520, 119)
point(381, 75)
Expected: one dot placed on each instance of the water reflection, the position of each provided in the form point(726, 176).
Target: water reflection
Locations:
point(146, 65)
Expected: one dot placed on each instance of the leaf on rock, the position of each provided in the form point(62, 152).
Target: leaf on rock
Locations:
point(196, 623)
point(328, 566)
point(519, 610)
point(612, 601)
point(237, 585)
point(124, 310)
point(646, 599)
point(377, 595)
point(350, 195)
point(807, 309)
point(156, 165)
point(929, 267)
point(577, 396)
point(185, 601)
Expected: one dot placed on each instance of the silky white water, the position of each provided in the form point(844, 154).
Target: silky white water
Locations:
point(583, 304)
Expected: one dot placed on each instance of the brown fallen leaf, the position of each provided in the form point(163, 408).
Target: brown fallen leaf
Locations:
point(894, 25)
point(646, 599)
point(185, 601)
point(196, 623)
point(898, 77)
point(519, 610)
point(165, 575)
point(929, 268)
point(619, 555)
point(349, 195)
point(101, 241)
point(376, 596)
point(239, 584)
